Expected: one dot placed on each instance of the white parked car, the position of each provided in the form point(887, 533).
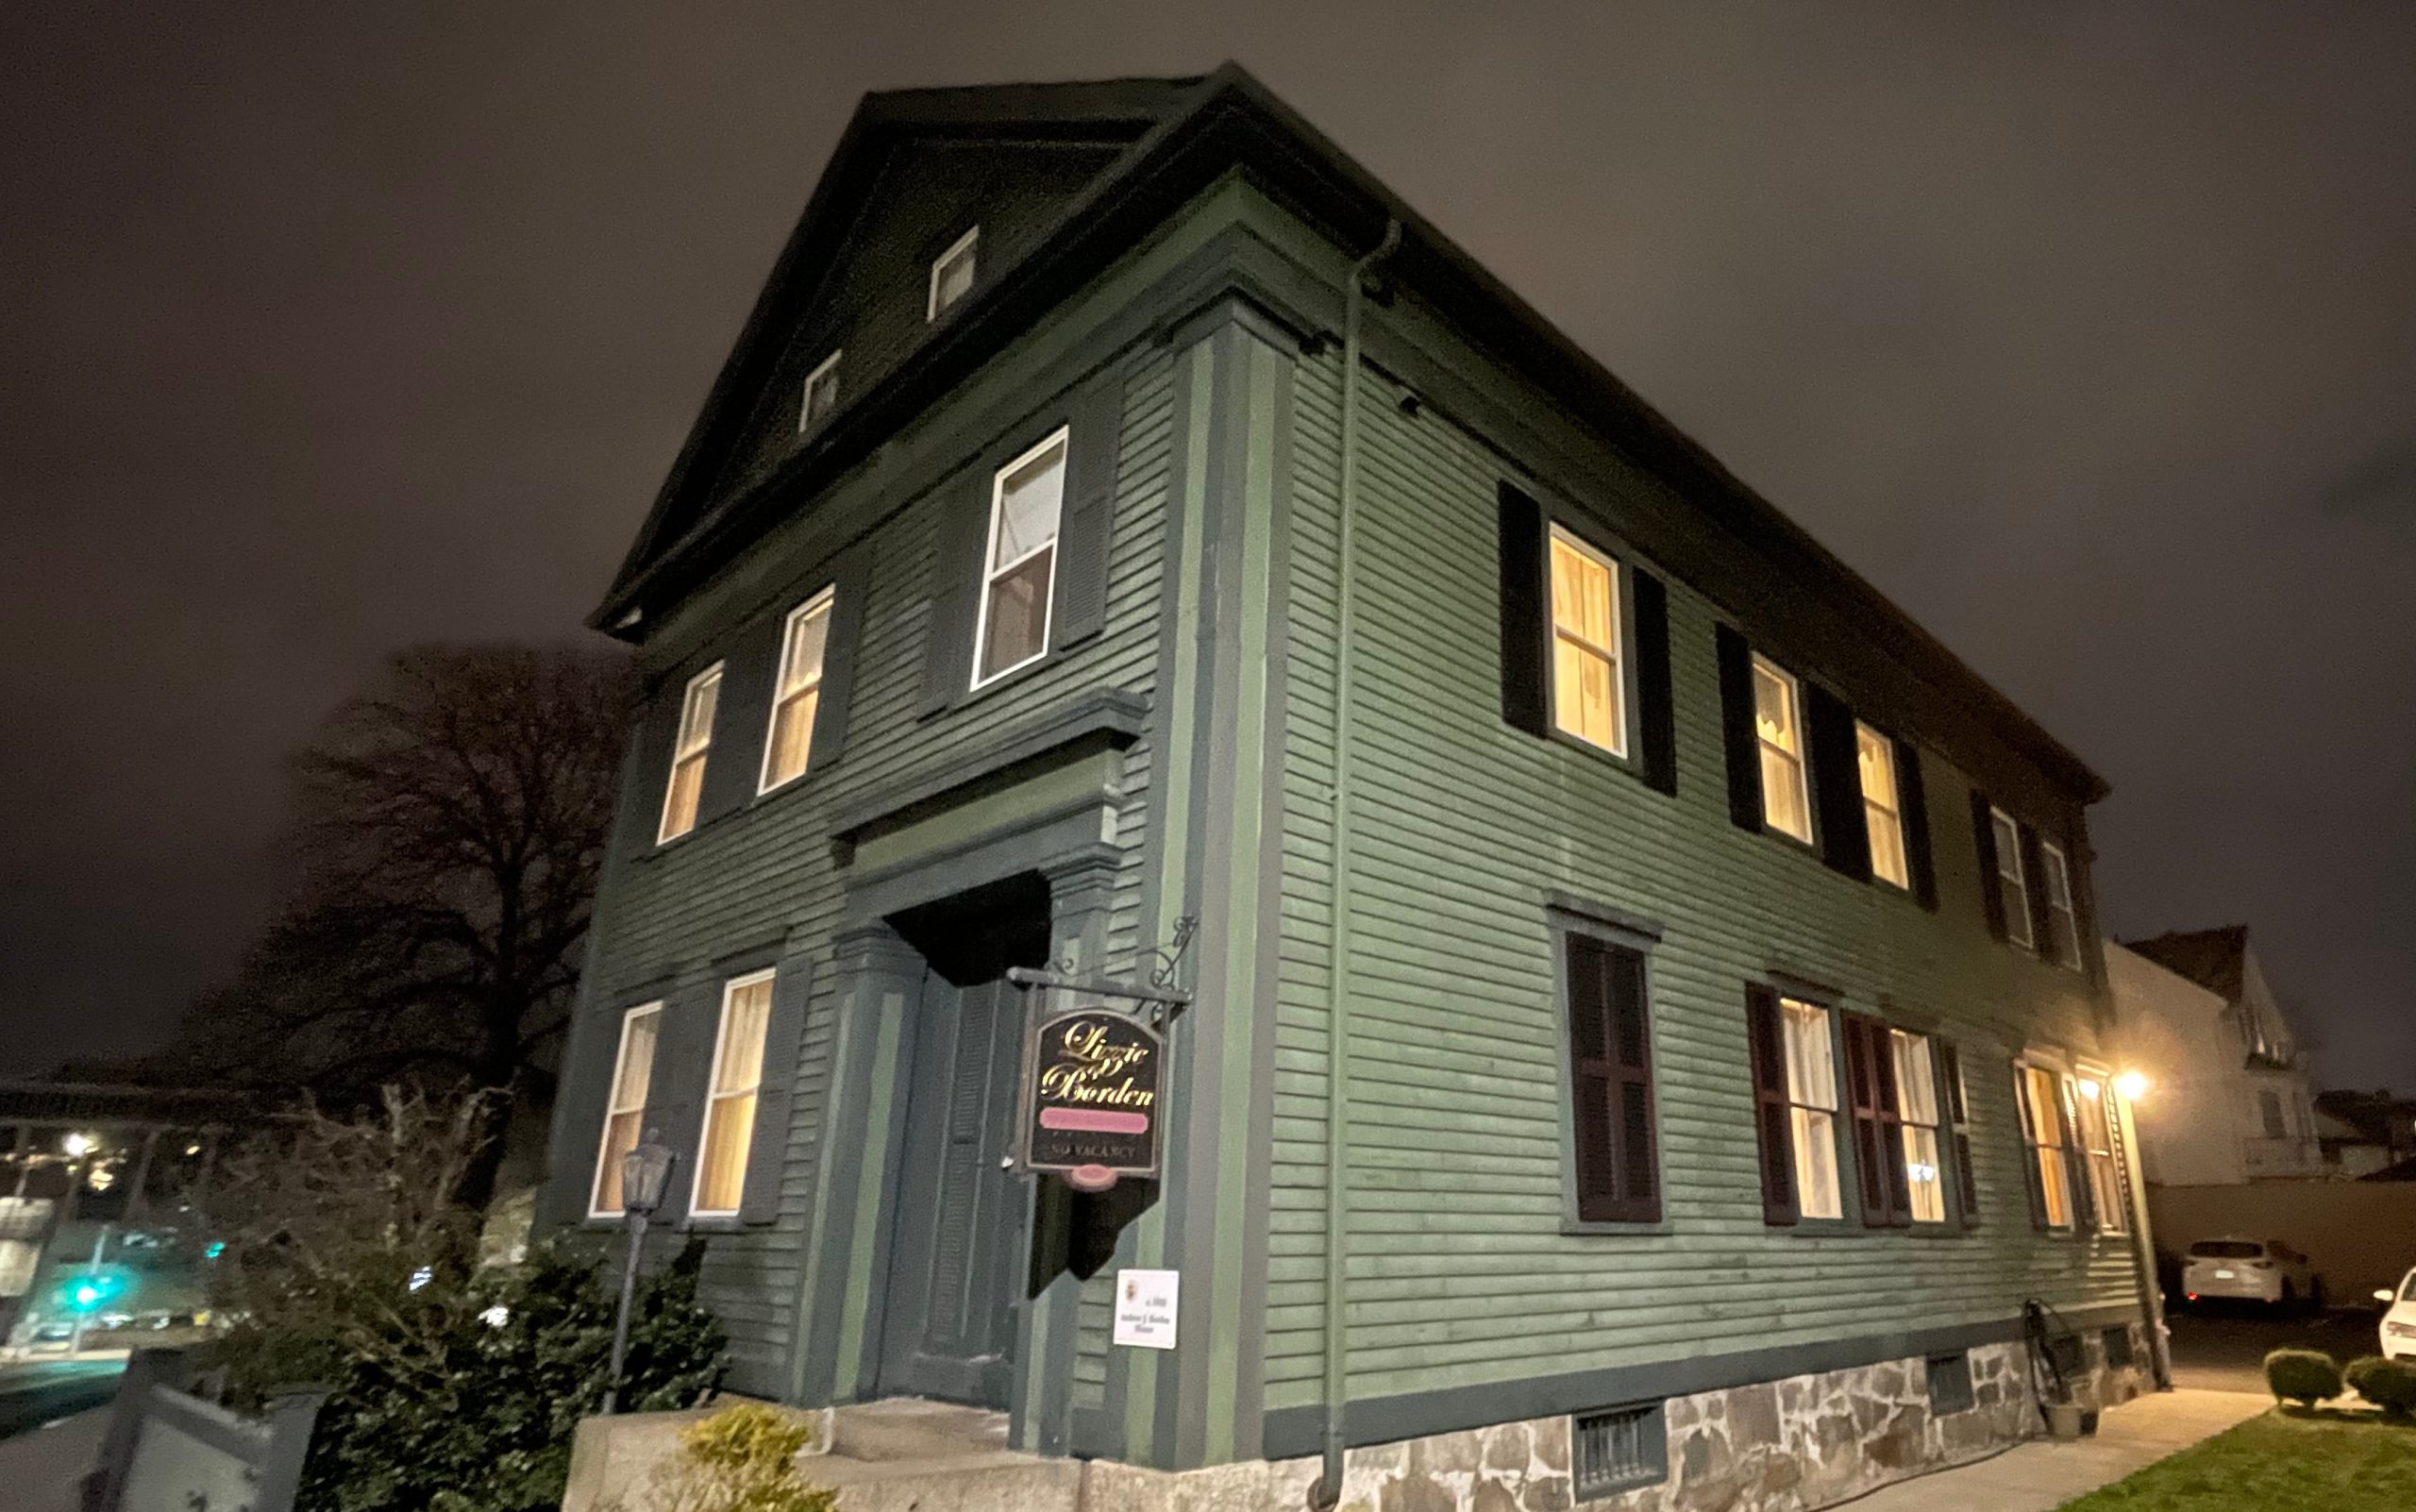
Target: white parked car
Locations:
point(2264, 1271)
point(2399, 1319)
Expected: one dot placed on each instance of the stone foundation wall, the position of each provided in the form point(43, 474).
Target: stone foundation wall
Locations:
point(1793, 1445)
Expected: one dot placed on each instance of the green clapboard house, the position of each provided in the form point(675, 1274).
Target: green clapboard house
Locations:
point(1645, 1006)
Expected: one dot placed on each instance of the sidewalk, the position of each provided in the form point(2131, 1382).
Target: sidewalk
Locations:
point(2041, 1475)
point(41, 1467)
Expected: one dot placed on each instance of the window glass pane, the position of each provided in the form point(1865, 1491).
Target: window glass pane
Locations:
point(1811, 1071)
point(953, 279)
point(1017, 617)
point(1774, 708)
point(801, 664)
point(1784, 805)
point(696, 713)
point(742, 1049)
point(822, 390)
point(722, 1167)
point(2013, 889)
point(792, 737)
point(1584, 701)
point(1581, 594)
point(1916, 1088)
point(637, 1060)
point(1923, 1178)
point(1878, 762)
point(1815, 1165)
point(620, 1138)
point(1028, 501)
point(680, 805)
point(1881, 812)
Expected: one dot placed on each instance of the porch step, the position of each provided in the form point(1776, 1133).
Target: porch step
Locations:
point(906, 1456)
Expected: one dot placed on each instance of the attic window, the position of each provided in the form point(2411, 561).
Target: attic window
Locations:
point(821, 393)
point(952, 275)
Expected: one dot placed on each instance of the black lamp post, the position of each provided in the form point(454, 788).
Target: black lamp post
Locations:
point(646, 1175)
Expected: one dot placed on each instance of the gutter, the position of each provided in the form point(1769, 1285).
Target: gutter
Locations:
point(1327, 1493)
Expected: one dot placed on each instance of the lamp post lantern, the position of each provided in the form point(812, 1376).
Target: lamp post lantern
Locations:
point(646, 1175)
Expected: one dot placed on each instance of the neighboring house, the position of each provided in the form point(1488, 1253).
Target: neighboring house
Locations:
point(2232, 1099)
point(1632, 966)
point(2364, 1132)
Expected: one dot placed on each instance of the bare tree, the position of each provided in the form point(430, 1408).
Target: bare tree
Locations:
point(451, 823)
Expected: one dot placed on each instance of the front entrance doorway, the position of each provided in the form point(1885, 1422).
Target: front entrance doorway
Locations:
point(961, 1248)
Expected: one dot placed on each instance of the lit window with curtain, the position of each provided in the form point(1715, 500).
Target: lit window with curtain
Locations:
point(796, 694)
point(2105, 1166)
point(1019, 570)
point(1917, 1091)
point(1882, 809)
point(1787, 806)
point(625, 1107)
point(1812, 1098)
point(1586, 689)
point(2043, 1136)
point(729, 1109)
point(688, 751)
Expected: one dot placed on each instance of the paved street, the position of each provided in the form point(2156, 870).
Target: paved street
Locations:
point(34, 1394)
point(2223, 1348)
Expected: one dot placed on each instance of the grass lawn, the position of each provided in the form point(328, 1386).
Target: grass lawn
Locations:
point(2285, 1461)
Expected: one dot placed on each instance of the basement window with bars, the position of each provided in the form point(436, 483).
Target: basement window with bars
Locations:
point(1950, 1383)
point(1620, 1450)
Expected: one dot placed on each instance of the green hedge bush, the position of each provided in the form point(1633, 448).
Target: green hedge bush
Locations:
point(2304, 1376)
point(465, 1397)
point(2389, 1384)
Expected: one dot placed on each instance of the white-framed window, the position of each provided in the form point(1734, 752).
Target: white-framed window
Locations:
point(1883, 809)
point(821, 393)
point(2013, 885)
point(1787, 806)
point(2042, 1110)
point(2097, 1144)
point(797, 695)
point(1019, 564)
point(729, 1105)
point(1812, 1099)
point(1917, 1103)
point(952, 275)
point(1589, 695)
point(688, 751)
point(2063, 924)
point(625, 1105)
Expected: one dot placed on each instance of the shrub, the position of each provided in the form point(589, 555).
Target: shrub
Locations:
point(2304, 1376)
point(2389, 1384)
point(741, 1460)
point(465, 1396)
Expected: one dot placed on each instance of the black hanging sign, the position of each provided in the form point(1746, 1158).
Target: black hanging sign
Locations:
point(1093, 1092)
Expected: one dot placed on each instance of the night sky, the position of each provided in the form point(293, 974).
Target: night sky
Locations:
point(2086, 331)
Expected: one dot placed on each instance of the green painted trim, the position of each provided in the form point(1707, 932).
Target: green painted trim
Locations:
point(1295, 1430)
point(1112, 715)
point(872, 1196)
point(1085, 780)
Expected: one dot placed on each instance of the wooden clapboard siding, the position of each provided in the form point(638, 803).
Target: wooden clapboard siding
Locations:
point(1460, 1270)
point(765, 873)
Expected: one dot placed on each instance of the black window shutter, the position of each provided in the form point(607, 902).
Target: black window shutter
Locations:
point(1736, 728)
point(1526, 623)
point(1773, 1117)
point(2034, 879)
point(1878, 1123)
point(1655, 714)
point(1093, 435)
point(1984, 832)
point(850, 579)
point(674, 1092)
point(1958, 1113)
point(954, 592)
point(1914, 804)
point(2030, 1117)
point(1836, 783)
point(742, 717)
point(767, 1147)
point(1611, 1082)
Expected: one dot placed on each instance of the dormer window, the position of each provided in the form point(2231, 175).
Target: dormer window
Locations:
point(821, 393)
point(952, 275)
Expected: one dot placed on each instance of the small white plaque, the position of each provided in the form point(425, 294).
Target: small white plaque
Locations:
point(1145, 1308)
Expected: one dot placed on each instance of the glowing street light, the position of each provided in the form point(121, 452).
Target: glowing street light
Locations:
point(2132, 1085)
point(80, 1144)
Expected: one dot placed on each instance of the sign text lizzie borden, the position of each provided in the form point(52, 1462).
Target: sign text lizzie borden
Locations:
point(1091, 1088)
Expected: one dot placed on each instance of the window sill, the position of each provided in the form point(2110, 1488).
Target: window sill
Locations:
point(1602, 1228)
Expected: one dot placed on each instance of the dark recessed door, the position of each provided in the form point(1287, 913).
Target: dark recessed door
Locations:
point(958, 1248)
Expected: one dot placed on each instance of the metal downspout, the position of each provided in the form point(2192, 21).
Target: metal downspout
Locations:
point(1327, 1491)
